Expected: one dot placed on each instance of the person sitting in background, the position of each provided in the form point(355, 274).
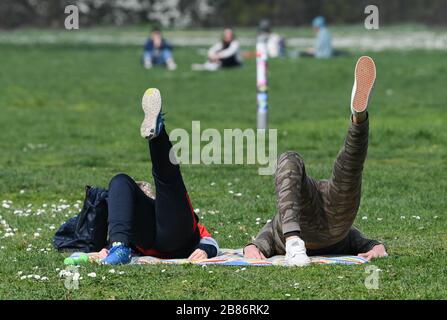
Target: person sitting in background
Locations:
point(276, 45)
point(323, 40)
point(158, 51)
point(224, 54)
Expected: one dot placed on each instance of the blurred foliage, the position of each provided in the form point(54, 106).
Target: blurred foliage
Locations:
point(298, 12)
point(207, 13)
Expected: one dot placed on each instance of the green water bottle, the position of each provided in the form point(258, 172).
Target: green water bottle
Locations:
point(76, 258)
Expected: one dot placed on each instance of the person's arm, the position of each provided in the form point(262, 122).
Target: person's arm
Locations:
point(212, 52)
point(149, 46)
point(364, 247)
point(207, 248)
point(263, 245)
point(230, 51)
point(167, 45)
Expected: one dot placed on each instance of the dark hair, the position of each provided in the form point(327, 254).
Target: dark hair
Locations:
point(156, 29)
point(264, 26)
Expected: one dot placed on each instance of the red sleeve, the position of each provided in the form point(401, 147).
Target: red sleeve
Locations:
point(203, 231)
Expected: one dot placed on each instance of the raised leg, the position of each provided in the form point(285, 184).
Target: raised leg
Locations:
point(147, 59)
point(131, 213)
point(175, 218)
point(299, 201)
point(295, 191)
point(344, 190)
point(299, 207)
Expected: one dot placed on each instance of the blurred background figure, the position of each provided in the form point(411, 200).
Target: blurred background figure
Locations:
point(276, 45)
point(158, 51)
point(224, 54)
point(323, 40)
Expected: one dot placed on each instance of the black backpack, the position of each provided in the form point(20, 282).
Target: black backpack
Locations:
point(87, 232)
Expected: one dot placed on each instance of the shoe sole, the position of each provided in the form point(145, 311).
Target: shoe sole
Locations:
point(365, 75)
point(151, 104)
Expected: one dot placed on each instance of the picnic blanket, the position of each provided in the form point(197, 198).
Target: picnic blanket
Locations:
point(235, 257)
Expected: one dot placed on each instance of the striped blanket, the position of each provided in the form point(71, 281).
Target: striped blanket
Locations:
point(234, 257)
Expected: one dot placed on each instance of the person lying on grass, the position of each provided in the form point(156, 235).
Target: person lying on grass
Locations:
point(166, 227)
point(315, 217)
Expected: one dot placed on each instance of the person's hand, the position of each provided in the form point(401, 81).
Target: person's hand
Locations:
point(96, 256)
point(198, 254)
point(252, 252)
point(214, 57)
point(378, 251)
point(103, 253)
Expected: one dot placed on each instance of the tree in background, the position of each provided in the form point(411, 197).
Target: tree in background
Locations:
point(50, 13)
point(216, 13)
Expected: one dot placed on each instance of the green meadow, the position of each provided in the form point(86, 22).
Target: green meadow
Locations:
point(70, 116)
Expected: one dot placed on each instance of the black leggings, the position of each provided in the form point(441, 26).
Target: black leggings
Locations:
point(167, 224)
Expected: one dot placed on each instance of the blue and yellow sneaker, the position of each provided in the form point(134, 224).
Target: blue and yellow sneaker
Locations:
point(153, 118)
point(118, 254)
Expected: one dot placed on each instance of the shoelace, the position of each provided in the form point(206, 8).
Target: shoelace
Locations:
point(119, 251)
point(121, 254)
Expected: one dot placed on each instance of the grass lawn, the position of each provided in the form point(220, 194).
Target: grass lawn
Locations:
point(70, 116)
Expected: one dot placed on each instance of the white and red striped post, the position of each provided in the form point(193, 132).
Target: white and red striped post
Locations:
point(261, 81)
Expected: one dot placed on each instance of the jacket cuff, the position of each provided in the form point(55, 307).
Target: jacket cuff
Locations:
point(266, 250)
point(371, 244)
point(211, 251)
point(290, 226)
point(291, 234)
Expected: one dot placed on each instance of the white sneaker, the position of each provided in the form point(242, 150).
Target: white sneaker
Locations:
point(147, 64)
point(211, 66)
point(364, 77)
point(171, 65)
point(197, 67)
point(153, 118)
point(296, 253)
point(207, 66)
